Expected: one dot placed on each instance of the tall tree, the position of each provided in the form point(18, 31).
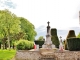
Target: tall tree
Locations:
point(9, 23)
point(28, 29)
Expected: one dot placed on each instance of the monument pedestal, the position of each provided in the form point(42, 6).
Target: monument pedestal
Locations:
point(46, 46)
point(47, 51)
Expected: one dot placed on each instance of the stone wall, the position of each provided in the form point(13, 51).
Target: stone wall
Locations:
point(36, 55)
point(69, 55)
point(27, 55)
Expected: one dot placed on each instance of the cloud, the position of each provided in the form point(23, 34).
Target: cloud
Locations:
point(41, 31)
point(7, 4)
point(62, 14)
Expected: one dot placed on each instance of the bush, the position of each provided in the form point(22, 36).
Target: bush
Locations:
point(73, 44)
point(54, 37)
point(53, 32)
point(40, 43)
point(24, 45)
point(55, 41)
point(70, 34)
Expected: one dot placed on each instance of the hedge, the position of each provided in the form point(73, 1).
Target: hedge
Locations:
point(24, 45)
point(40, 43)
point(71, 33)
point(54, 37)
point(73, 44)
point(53, 31)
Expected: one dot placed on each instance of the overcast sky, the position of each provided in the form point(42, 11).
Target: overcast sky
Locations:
point(62, 14)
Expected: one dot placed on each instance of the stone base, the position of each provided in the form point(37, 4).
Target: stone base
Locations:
point(44, 54)
point(46, 46)
point(47, 51)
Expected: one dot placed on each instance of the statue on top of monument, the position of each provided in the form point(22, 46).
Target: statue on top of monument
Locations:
point(48, 27)
point(48, 23)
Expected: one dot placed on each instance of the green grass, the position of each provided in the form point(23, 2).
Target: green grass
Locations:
point(7, 54)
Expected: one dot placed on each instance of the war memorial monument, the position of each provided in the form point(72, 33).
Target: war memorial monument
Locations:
point(47, 52)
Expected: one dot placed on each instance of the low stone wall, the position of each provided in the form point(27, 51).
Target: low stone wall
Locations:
point(36, 55)
point(69, 55)
point(27, 55)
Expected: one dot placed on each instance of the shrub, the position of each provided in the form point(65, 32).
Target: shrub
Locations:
point(40, 43)
point(70, 34)
point(55, 41)
point(24, 45)
point(73, 44)
point(54, 37)
point(53, 32)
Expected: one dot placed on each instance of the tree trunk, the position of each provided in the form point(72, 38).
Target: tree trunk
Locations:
point(0, 45)
point(8, 39)
point(5, 45)
point(8, 42)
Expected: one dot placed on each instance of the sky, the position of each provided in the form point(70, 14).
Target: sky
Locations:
point(62, 14)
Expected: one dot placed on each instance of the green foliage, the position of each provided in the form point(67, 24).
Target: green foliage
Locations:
point(9, 21)
point(9, 24)
point(41, 38)
point(28, 29)
point(70, 34)
point(53, 32)
point(24, 45)
point(40, 43)
point(0, 44)
point(15, 28)
point(18, 36)
point(78, 36)
point(55, 41)
point(73, 44)
point(54, 37)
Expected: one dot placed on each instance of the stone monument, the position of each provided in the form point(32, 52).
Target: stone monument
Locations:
point(48, 43)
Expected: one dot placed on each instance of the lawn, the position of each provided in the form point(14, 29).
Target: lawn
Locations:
point(7, 54)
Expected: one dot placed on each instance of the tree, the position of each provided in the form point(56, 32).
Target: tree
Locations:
point(9, 23)
point(28, 29)
point(41, 38)
point(78, 36)
point(14, 28)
